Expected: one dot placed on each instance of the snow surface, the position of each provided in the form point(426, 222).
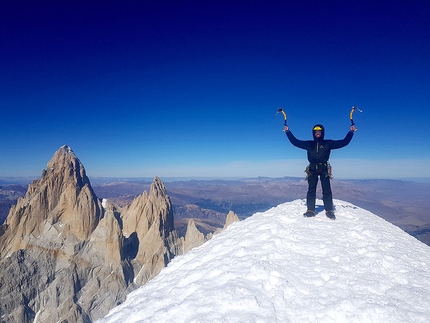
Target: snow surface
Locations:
point(278, 266)
point(104, 203)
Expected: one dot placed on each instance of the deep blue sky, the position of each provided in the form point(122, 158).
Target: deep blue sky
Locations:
point(191, 88)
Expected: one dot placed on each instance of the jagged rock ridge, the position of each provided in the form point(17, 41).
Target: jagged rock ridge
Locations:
point(72, 259)
point(67, 256)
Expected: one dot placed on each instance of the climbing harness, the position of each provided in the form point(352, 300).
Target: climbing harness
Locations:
point(318, 168)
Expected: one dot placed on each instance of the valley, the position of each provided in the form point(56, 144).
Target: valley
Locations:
point(403, 203)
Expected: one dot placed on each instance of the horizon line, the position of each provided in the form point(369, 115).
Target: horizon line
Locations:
point(27, 179)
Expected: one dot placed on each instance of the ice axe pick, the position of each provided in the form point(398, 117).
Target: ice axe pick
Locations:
point(285, 115)
point(354, 107)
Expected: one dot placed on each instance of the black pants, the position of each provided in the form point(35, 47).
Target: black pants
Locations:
point(312, 191)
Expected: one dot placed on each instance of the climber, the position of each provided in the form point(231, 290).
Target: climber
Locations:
point(318, 151)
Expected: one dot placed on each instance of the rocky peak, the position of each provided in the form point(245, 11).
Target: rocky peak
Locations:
point(66, 257)
point(194, 238)
point(62, 197)
point(66, 163)
point(150, 218)
point(231, 217)
point(157, 188)
point(158, 192)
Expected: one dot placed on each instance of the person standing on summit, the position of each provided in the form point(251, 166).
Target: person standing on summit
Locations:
point(318, 151)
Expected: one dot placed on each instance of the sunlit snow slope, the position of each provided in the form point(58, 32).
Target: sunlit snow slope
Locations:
point(278, 266)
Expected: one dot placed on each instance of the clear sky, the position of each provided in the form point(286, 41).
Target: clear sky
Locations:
point(191, 88)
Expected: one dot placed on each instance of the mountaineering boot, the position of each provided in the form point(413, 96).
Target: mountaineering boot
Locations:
point(330, 215)
point(309, 213)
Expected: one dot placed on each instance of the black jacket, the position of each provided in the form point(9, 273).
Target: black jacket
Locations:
point(319, 149)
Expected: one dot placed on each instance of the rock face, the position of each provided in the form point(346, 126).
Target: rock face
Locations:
point(194, 238)
point(231, 218)
point(61, 201)
point(66, 257)
point(149, 220)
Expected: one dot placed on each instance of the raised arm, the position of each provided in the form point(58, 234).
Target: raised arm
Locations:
point(294, 141)
point(336, 144)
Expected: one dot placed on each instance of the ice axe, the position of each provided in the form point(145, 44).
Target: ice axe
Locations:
point(285, 115)
point(354, 107)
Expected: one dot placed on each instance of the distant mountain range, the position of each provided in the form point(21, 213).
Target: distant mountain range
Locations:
point(403, 203)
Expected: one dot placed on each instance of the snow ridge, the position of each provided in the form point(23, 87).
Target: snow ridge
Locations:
point(278, 266)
